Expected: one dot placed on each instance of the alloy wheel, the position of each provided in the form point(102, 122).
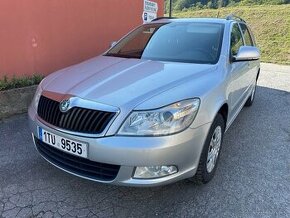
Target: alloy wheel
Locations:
point(214, 148)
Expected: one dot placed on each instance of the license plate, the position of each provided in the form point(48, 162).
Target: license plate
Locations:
point(67, 145)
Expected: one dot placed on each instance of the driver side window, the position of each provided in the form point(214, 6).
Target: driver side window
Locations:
point(236, 39)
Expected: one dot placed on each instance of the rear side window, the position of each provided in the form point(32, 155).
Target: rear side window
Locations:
point(236, 39)
point(247, 35)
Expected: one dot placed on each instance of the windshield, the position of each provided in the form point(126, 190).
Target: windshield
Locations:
point(177, 42)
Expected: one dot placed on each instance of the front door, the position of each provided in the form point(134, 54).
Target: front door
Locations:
point(238, 71)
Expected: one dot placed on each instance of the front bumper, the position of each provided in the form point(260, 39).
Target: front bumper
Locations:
point(182, 150)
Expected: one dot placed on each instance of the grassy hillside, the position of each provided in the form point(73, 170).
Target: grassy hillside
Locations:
point(270, 24)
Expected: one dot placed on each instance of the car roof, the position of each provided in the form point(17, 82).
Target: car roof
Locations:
point(200, 20)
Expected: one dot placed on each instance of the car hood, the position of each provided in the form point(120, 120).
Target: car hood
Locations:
point(122, 82)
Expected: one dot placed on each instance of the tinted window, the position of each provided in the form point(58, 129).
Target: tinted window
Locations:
point(247, 36)
point(236, 39)
point(177, 42)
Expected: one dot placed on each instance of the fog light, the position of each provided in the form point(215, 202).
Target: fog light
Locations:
point(154, 172)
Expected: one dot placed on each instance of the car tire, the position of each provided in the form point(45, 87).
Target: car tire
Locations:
point(251, 99)
point(207, 166)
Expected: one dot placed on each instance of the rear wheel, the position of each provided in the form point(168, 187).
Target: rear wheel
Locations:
point(210, 153)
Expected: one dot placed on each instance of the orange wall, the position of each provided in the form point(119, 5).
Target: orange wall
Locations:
point(41, 36)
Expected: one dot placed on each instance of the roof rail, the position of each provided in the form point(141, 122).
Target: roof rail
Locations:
point(234, 17)
point(160, 18)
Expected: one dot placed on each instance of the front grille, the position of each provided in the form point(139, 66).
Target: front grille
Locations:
point(76, 119)
point(77, 165)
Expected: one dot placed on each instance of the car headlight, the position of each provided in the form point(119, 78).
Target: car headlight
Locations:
point(37, 97)
point(163, 121)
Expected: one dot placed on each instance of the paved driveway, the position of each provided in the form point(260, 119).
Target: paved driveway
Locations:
point(252, 180)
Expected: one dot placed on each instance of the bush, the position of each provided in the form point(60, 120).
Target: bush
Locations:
point(6, 83)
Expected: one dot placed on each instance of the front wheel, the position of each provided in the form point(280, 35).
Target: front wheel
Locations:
point(210, 153)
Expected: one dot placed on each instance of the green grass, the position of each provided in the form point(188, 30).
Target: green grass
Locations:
point(270, 24)
point(6, 83)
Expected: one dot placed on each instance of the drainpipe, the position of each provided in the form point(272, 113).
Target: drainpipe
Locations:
point(170, 8)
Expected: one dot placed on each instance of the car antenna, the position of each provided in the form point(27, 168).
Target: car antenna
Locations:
point(218, 14)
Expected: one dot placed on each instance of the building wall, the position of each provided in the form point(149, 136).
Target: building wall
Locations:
point(41, 36)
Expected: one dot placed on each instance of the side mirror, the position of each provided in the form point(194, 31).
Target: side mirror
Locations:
point(247, 53)
point(113, 44)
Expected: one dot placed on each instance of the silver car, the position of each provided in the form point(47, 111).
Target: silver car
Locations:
point(154, 108)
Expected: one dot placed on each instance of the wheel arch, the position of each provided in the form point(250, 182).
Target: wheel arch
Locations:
point(258, 74)
point(224, 111)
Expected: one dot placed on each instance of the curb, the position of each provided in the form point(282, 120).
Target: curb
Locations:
point(269, 67)
point(15, 101)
